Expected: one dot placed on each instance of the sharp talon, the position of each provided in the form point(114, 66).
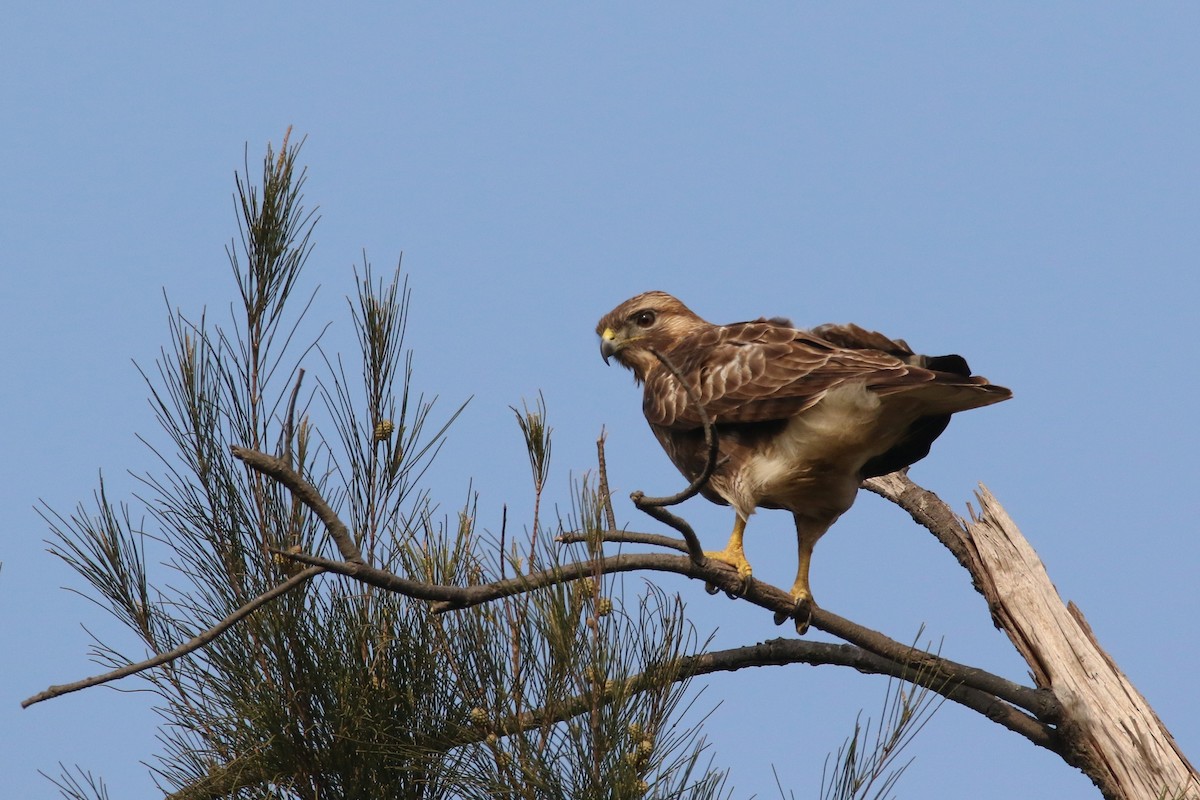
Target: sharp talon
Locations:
point(740, 591)
point(801, 613)
point(744, 573)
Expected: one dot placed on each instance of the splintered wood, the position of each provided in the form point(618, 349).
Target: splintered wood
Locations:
point(1107, 723)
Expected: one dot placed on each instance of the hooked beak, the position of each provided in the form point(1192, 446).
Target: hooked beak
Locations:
point(608, 344)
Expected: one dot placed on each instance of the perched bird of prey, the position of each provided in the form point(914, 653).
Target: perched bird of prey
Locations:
point(802, 416)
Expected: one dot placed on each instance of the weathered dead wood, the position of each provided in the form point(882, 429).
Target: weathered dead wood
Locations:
point(1107, 724)
point(1106, 728)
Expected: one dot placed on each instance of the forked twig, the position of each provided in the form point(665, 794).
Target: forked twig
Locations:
point(281, 471)
point(656, 506)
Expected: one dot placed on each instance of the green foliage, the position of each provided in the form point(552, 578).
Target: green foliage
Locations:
point(1179, 794)
point(865, 766)
point(337, 689)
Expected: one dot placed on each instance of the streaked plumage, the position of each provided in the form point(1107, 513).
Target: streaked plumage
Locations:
point(802, 416)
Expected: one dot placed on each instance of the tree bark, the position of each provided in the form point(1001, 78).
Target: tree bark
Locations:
point(1107, 725)
point(1107, 730)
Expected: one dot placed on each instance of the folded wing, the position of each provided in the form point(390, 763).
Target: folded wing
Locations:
point(760, 371)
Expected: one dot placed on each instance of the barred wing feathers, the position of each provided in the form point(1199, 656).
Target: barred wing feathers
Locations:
point(760, 371)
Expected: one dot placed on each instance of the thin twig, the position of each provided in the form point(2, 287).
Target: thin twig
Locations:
point(187, 647)
point(711, 441)
point(605, 494)
point(278, 469)
point(694, 548)
point(289, 424)
point(625, 537)
point(656, 506)
point(503, 559)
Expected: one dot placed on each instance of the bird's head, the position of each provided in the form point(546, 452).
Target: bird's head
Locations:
point(651, 320)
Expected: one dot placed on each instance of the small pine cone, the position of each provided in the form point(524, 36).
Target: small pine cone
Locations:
point(604, 606)
point(290, 568)
point(383, 430)
point(478, 716)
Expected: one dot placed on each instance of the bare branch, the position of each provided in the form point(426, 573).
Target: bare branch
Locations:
point(781, 652)
point(927, 510)
point(1039, 703)
point(626, 537)
point(656, 506)
point(1063, 655)
point(187, 647)
point(278, 469)
point(610, 517)
point(448, 598)
point(451, 598)
point(998, 699)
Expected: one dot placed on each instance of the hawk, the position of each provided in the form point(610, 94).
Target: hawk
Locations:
point(802, 416)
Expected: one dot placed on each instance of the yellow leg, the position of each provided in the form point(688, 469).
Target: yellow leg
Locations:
point(800, 588)
point(806, 537)
point(733, 554)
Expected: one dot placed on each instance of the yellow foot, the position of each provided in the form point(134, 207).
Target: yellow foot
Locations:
point(734, 558)
point(801, 612)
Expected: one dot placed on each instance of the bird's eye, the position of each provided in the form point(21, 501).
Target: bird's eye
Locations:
point(644, 319)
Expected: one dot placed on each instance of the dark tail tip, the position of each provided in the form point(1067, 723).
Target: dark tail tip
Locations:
point(954, 364)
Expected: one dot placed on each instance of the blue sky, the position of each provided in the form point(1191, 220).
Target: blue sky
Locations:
point(1016, 182)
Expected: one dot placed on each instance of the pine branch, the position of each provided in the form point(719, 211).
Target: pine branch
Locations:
point(993, 696)
point(190, 646)
point(448, 598)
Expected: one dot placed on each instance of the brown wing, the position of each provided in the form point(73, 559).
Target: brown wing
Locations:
point(852, 337)
point(922, 432)
point(856, 338)
point(759, 371)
